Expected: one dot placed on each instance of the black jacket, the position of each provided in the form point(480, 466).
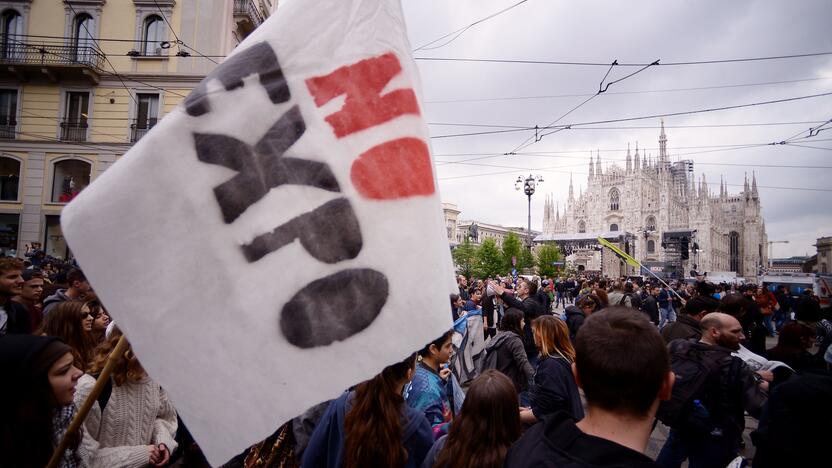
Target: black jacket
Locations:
point(574, 320)
point(553, 389)
point(684, 328)
point(794, 429)
point(19, 322)
point(651, 307)
point(506, 354)
point(730, 391)
point(557, 442)
point(532, 309)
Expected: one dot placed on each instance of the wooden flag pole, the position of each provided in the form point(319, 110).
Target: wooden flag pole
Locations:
point(120, 348)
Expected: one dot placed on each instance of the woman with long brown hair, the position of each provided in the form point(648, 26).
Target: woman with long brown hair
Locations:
point(485, 428)
point(372, 426)
point(133, 423)
point(553, 388)
point(71, 321)
point(100, 320)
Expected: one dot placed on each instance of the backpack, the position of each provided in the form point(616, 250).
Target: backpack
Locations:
point(694, 406)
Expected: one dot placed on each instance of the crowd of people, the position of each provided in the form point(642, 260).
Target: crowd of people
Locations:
point(559, 372)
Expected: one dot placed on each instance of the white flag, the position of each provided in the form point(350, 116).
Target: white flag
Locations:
point(278, 237)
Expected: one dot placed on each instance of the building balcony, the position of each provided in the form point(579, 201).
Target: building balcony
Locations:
point(8, 130)
point(247, 15)
point(24, 59)
point(139, 128)
point(72, 130)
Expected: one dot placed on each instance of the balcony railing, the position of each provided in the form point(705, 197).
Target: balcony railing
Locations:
point(139, 128)
point(8, 130)
point(73, 130)
point(248, 9)
point(39, 53)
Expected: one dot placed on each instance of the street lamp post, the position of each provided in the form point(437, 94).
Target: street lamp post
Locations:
point(770, 244)
point(528, 185)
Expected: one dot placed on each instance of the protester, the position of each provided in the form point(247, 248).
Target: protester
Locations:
point(486, 427)
point(100, 321)
point(36, 402)
point(618, 297)
point(71, 321)
point(795, 426)
point(665, 301)
point(506, 354)
point(526, 302)
point(14, 318)
point(31, 295)
point(752, 321)
point(714, 389)
point(622, 365)
point(428, 391)
point(553, 388)
point(603, 299)
point(686, 326)
point(462, 283)
point(456, 306)
point(132, 424)
point(79, 289)
point(782, 313)
point(808, 312)
point(768, 306)
point(372, 426)
point(793, 346)
point(650, 304)
point(474, 299)
point(577, 314)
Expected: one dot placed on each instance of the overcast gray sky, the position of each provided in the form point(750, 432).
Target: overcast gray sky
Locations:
point(630, 32)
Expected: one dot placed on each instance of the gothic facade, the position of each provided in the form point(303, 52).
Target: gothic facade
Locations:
point(652, 198)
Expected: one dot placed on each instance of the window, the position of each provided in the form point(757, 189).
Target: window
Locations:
point(8, 113)
point(650, 224)
point(74, 126)
point(69, 177)
point(613, 227)
point(147, 114)
point(581, 226)
point(651, 246)
point(9, 178)
point(153, 35)
point(614, 199)
point(82, 37)
point(734, 251)
point(12, 27)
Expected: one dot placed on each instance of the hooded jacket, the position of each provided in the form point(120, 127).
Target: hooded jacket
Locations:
point(506, 354)
point(52, 301)
point(326, 447)
point(574, 320)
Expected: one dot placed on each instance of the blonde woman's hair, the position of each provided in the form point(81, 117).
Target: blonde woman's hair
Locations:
point(126, 368)
point(552, 336)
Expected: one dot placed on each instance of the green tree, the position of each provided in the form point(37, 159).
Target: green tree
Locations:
point(546, 255)
point(526, 260)
point(489, 260)
point(465, 257)
point(512, 248)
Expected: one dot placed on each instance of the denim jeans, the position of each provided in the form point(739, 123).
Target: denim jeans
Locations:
point(666, 315)
point(769, 326)
point(701, 452)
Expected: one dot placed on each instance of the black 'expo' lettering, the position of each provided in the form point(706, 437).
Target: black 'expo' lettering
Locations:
point(316, 315)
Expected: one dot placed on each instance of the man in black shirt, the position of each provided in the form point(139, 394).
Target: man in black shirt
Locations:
point(620, 405)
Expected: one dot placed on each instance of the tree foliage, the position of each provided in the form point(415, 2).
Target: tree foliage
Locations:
point(526, 259)
point(512, 248)
point(465, 257)
point(489, 260)
point(546, 255)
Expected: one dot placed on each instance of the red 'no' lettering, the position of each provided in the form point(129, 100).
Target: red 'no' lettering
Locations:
point(395, 169)
point(364, 106)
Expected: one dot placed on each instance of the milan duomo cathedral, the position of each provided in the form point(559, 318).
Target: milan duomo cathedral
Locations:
point(654, 209)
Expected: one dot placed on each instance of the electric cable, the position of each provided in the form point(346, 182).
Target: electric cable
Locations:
point(459, 32)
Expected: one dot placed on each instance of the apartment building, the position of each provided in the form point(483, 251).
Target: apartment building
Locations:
point(82, 80)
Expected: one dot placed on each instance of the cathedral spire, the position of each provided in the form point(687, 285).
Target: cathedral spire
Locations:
point(636, 162)
point(557, 213)
point(598, 169)
point(722, 191)
point(591, 166)
point(662, 145)
point(754, 192)
point(629, 159)
point(571, 190)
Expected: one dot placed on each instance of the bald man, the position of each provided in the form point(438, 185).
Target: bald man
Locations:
point(730, 389)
